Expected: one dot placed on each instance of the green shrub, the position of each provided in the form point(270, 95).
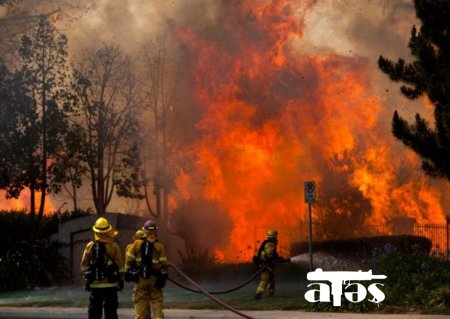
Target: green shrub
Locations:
point(416, 280)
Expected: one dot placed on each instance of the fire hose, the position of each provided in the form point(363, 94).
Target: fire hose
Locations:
point(220, 292)
point(207, 294)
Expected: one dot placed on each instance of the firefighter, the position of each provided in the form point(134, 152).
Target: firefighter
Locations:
point(146, 265)
point(102, 267)
point(267, 257)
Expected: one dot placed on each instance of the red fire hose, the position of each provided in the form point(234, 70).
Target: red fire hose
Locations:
point(207, 294)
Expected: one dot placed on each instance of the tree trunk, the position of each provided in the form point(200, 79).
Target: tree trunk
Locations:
point(32, 202)
point(44, 155)
point(74, 196)
point(100, 190)
point(158, 201)
point(165, 219)
point(100, 176)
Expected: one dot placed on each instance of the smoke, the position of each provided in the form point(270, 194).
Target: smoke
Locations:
point(365, 28)
point(205, 225)
point(271, 93)
point(135, 23)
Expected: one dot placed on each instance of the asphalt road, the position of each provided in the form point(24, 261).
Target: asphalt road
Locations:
point(80, 313)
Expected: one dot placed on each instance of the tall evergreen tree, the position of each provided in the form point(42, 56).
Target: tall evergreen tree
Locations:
point(428, 74)
point(18, 135)
point(38, 123)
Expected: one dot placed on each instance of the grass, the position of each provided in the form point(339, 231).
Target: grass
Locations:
point(289, 293)
point(291, 286)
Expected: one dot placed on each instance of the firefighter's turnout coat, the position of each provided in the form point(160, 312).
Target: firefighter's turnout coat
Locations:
point(113, 254)
point(267, 255)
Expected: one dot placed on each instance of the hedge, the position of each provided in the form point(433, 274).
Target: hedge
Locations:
point(28, 258)
point(366, 247)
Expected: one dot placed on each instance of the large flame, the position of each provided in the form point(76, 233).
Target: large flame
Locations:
point(272, 117)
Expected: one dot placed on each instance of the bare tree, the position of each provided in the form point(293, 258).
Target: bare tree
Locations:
point(18, 17)
point(109, 104)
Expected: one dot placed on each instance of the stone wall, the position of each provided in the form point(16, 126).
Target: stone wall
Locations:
point(76, 233)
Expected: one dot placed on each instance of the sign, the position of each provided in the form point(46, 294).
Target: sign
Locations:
point(340, 279)
point(310, 192)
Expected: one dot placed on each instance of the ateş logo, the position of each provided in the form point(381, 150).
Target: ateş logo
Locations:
point(346, 278)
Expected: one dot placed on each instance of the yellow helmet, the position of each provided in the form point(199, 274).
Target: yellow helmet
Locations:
point(272, 233)
point(102, 225)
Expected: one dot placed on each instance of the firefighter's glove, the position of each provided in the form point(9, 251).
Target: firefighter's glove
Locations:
point(128, 276)
point(161, 279)
point(87, 285)
point(120, 285)
point(132, 275)
point(135, 274)
point(89, 276)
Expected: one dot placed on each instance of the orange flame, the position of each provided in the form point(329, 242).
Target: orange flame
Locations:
point(11, 204)
point(271, 119)
point(23, 203)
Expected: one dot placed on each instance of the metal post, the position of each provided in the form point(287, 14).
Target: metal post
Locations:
point(310, 197)
point(310, 237)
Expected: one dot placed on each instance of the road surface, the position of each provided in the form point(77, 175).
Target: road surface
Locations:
point(80, 313)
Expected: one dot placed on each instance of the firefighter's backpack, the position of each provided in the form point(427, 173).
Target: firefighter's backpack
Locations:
point(99, 267)
point(147, 258)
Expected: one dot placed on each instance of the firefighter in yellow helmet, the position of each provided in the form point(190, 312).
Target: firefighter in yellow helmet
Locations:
point(146, 265)
point(102, 266)
point(267, 257)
